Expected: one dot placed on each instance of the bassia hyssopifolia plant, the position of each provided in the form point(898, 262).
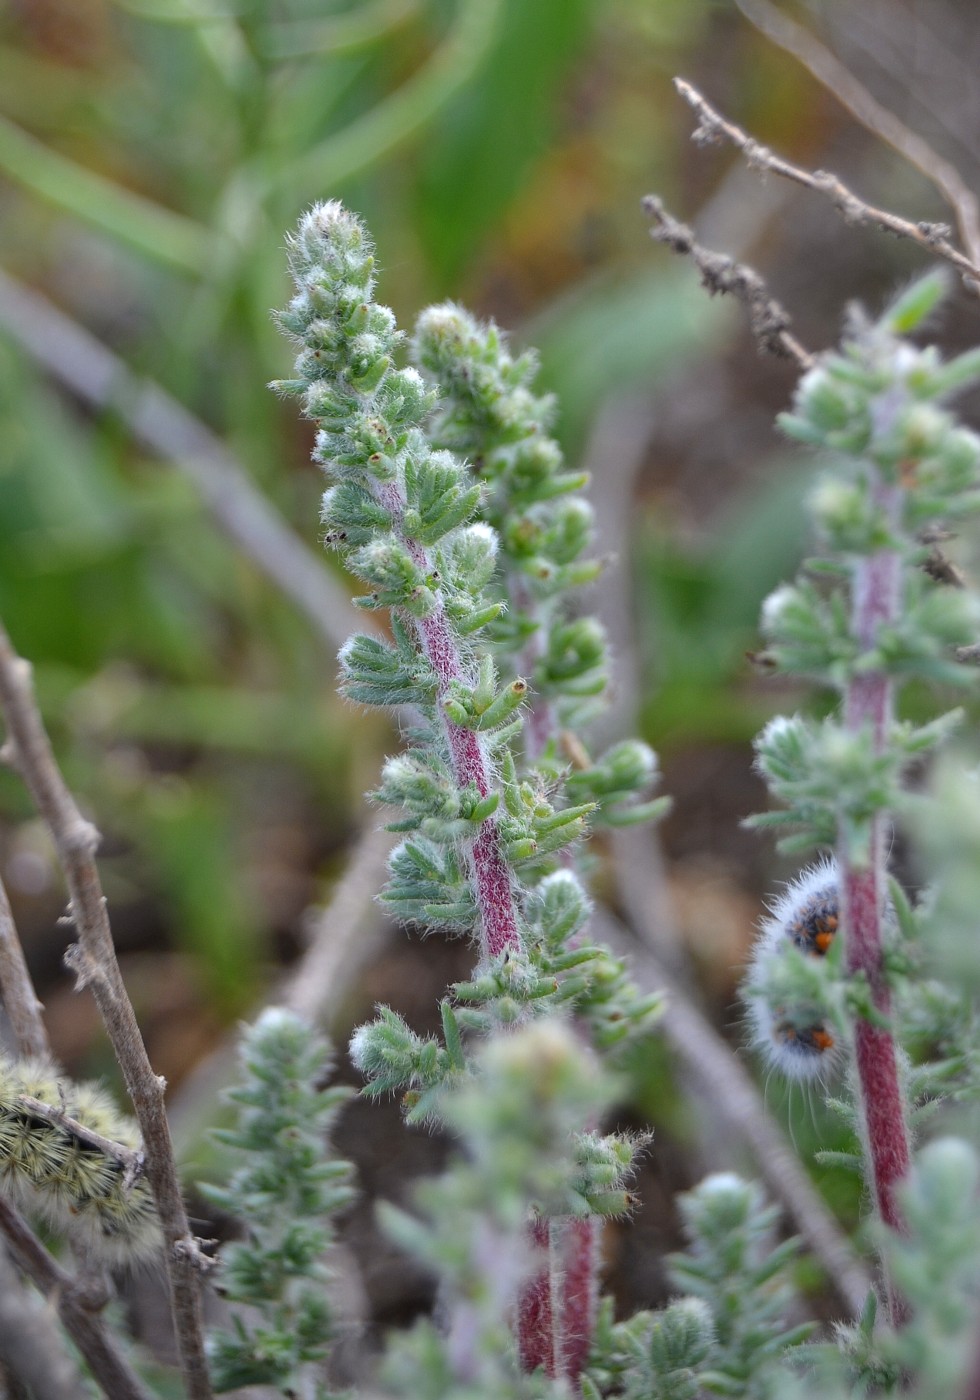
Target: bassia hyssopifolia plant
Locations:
point(448, 498)
point(288, 1190)
point(838, 952)
point(473, 569)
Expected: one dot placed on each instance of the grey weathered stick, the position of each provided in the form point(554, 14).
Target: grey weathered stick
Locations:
point(934, 238)
point(735, 1098)
point(32, 1346)
point(855, 97)
point(340, 945)
point(130, 1160)
point(93, 961)
point(19, 997)
point(721, 274)
point(90, 370)
point(83, 1324)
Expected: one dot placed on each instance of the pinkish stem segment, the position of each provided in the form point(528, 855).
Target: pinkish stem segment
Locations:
point(557, 1307)
point(868, 704)
point(579, 1294)
point(535, 1324)
point(491, 876)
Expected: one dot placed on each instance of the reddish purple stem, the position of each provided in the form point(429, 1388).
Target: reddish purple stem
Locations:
point(882, 1100)
point(535, 1324)
point(579, 1294)
point(868, 704)
point(557, 1307)
point(491, 875)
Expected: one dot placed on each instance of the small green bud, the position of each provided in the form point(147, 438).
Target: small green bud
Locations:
point(574, 658)
point(471, 556)
point(830, 411)
point(558, 907)
point(682, 1336)
point(352, 515)
point(849, 517)
point(722, 1202)
point(397, 581)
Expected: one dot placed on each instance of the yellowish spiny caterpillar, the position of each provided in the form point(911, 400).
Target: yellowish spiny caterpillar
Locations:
point(69, 1156)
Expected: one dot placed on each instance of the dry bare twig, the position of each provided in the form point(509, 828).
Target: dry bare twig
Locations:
point(93, 961)
point(17, 990)
point(721, 274)
point(33, 1348)
point(79, 1315)
point(340, 945)
point(933, 237)
point(838, 79)
point(129, 1159)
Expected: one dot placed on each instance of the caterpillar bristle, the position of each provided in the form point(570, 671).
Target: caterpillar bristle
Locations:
point(795, 1039)
point(76, 1187)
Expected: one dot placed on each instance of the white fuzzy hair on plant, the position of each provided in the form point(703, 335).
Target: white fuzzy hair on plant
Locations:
point(794, 1038)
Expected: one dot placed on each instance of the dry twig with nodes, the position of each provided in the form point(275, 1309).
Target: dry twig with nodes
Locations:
point(934, 237)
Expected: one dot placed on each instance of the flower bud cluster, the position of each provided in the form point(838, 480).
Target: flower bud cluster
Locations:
point(427, 536)
point(288, 1191)
point(514, 1115)
point(488, 410)
point(723, 1335)
point(900, 461)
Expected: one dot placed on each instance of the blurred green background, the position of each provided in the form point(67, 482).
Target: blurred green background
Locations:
point(152, 155)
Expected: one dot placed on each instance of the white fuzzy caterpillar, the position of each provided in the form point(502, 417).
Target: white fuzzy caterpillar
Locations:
point(796, 1037)
point(51, 1169)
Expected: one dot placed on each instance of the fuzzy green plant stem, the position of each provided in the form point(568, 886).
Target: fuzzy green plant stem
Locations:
point(370, 417)
point(491, 877)
point(868, 703)
point(556, 1309)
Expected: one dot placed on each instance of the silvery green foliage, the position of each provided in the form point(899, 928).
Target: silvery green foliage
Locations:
point(484, 832)
point(896, 461)
point(657, 1355)
point(876, 407)
point(524, 1098)
point(489, 413)
point(475, 564)
point(287, 1190)
point(487, 410)
point(940, 998)
point(728, 1327)
point(936, 1266)
point(734, 1265)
